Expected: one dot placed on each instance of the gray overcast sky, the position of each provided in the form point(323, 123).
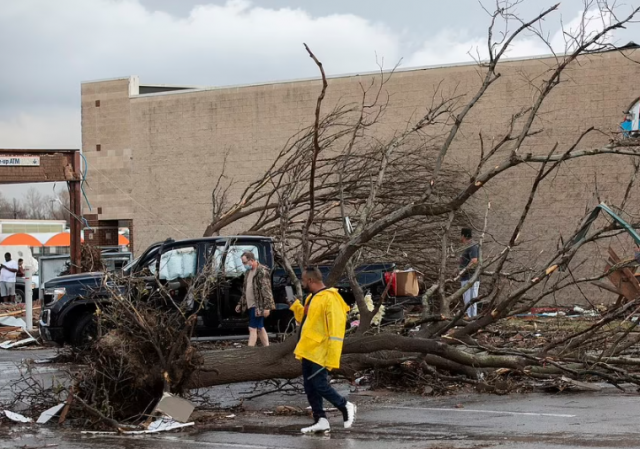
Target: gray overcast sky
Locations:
point(47, 48)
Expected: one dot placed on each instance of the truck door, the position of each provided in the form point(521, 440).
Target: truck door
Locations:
point(224, 256)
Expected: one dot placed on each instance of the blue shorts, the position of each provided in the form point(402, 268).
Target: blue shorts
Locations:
point(255, 322)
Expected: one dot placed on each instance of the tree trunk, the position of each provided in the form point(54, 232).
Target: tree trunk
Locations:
point(247, 364)
point(277, 361)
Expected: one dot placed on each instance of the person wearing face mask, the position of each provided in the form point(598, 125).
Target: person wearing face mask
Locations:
point(323, 319)
point(257, 298)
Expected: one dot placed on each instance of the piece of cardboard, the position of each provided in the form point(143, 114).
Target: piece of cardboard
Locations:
point(407, 283)
point(177, 408)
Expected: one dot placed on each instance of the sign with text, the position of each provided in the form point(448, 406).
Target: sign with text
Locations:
point(19, 161)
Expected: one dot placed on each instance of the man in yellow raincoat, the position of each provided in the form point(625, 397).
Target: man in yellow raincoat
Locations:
point(323, 319)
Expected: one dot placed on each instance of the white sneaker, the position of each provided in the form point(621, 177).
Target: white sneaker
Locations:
point(322, 426)
point(352, 409)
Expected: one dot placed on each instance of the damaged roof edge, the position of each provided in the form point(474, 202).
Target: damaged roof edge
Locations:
point(167, 89)
point(135, 88)
point(343, 75)
point(102, 80)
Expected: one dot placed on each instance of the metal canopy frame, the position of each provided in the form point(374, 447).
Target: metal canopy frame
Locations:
point(61, 165)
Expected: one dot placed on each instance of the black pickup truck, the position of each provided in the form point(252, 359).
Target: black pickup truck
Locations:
point(70, 301)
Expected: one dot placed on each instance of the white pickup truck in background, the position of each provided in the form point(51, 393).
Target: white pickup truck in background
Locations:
point(49, 267)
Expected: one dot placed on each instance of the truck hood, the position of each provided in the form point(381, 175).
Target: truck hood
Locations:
point(74, 279)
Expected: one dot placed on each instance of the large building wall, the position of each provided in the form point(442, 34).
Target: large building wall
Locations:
point(161, 153)
point(106, 144)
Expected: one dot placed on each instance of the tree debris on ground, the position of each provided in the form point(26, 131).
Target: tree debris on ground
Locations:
point(332, 195)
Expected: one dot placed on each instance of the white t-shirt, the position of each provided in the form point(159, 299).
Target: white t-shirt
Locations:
point(6, 275)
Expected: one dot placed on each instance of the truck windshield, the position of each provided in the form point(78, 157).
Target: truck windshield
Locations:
point(148, 255)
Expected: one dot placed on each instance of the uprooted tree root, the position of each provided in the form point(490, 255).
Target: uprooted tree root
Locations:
point(145, 351)
point(142, 351)
point(124, 379)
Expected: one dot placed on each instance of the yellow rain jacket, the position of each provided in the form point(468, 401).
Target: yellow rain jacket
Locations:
point(322, 333)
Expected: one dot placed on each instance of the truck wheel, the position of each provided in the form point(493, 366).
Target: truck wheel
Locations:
point(19, 295)
point(85, 331)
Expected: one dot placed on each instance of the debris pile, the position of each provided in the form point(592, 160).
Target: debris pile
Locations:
point(354, 314)
point(567, 384)
point(563, 312)
point(171, 413)
point(13, 328)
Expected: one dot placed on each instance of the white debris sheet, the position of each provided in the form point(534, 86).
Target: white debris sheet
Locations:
point(50, 413)
point(17, 417)
point(10, 344)
point(159, 425)
point(11, 321)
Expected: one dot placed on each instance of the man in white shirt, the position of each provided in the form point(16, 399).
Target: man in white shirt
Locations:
point(8, 272)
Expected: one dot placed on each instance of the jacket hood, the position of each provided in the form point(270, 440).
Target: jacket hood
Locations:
point(335, 296)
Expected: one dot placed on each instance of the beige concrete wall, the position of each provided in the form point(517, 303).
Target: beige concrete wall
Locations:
point(161, 154)
point(108, 125)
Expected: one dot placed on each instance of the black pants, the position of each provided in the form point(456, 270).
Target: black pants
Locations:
point(317, 388)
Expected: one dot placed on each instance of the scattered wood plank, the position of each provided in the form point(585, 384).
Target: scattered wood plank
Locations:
point(67, 406)
point(624, 280)
point(18, 312)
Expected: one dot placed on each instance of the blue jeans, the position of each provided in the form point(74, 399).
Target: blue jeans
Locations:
point(317, 388)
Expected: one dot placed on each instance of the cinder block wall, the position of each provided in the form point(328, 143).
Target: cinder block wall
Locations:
point(106, 143)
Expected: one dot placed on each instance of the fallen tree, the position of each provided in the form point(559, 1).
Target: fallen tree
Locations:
point(346, 209)
point(332, 196)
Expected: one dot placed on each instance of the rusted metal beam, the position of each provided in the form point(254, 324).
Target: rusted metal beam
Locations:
point(76, 214)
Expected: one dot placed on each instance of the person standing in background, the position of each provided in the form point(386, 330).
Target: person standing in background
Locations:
point(468, 262)
point(257, 298)
point(8, 272)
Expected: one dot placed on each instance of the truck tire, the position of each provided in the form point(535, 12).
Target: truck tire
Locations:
point(19, 295)
point(84, 331)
